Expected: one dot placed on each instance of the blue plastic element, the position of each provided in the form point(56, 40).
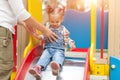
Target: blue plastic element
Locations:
point(114, 73)
point(78, 23)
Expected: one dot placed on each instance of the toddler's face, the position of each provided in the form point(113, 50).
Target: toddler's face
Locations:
point(55, 20)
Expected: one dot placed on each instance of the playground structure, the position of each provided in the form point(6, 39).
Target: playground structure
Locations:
point(36, 51)
point(98, 67)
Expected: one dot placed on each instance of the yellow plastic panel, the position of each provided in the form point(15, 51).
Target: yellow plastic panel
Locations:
point(99, 69)
point(35, 9)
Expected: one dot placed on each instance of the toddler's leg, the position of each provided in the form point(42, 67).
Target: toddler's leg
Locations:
point(55, 68)
point(43, 61)
point(57, 62)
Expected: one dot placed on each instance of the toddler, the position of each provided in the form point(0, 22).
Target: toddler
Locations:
point(54, 52)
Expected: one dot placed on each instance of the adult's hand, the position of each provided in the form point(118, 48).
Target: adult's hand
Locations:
point(49, 35)
point(32, 26)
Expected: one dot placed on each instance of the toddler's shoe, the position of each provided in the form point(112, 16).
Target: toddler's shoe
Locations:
point(35, 71)
point(55, 68)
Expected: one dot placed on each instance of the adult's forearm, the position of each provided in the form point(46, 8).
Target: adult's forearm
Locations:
point(31, 22)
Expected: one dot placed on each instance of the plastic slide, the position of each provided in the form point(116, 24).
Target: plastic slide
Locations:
point(75, 67)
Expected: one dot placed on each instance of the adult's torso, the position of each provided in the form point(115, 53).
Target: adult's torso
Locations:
point(7, 17)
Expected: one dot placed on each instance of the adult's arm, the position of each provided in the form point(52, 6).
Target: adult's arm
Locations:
point(31, 24)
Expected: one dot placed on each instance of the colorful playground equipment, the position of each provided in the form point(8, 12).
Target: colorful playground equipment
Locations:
point(97, 66)
point(89, 30)
point(76, 59)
